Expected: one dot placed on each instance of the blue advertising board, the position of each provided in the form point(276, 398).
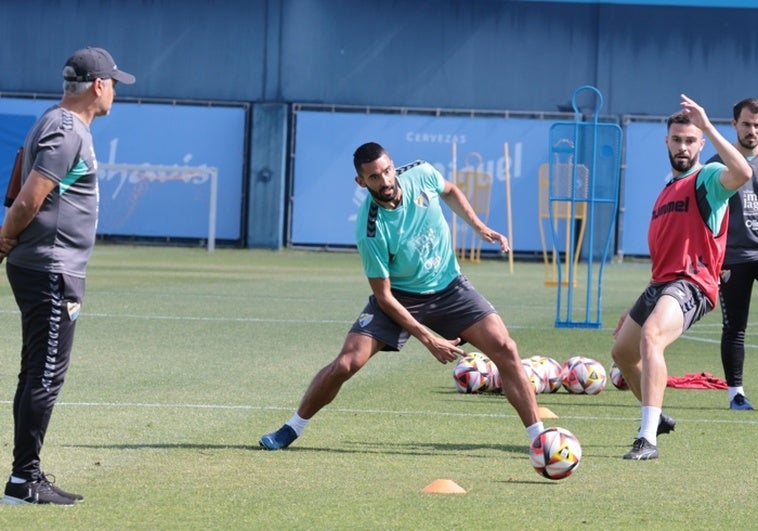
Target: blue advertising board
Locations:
point(326, 198)
point(154, 161)
point(685, 3)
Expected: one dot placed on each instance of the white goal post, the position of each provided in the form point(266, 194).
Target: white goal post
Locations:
point(152, 172)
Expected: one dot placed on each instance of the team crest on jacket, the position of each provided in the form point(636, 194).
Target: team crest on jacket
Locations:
point(365, 318)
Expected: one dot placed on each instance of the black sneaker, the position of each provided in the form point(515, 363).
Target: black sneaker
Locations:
point(641, 450)
point(60, 491)
point(665, 424)
point(38, 491)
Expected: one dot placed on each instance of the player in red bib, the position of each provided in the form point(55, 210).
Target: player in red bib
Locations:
point(687, 239)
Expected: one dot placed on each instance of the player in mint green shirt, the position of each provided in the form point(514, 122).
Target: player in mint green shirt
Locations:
point(423, 262)
point(404, 243)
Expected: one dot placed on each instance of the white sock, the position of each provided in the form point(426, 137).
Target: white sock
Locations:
point(651, 416)
point(16, 481)
point(534, 430)
point(734, 391)
point(297, 423)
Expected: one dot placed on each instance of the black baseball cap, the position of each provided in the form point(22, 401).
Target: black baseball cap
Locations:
point(89, 64)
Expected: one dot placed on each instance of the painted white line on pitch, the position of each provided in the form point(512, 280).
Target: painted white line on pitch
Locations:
point(711, 341)
point(362, 411)
point(316, 321)
point(319, 321)
point(146, 317)
point(214, 319)
point(209, 319)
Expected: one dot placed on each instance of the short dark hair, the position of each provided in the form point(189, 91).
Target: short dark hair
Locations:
point(750, 103)
point(678, 118)
point(368, 152)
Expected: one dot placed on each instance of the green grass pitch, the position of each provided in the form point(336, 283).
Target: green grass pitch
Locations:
point(184, 358)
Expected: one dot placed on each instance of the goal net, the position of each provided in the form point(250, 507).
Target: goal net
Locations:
point(129, 188)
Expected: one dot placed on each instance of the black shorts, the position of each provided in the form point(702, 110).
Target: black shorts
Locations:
point(691, 298)
point(448, 313)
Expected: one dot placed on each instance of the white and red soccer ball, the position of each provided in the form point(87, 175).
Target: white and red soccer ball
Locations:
point(617, 379)
point(536, 376)
point(476, 373)
point(582, 375)
point(471, 373)
point(550, 372)
point(555, 453)
point(566, 367)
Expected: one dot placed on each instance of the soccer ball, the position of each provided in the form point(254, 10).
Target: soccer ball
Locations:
point(551, 372)
point(595, 377)
point(585, 376)
point(554, 374)
point(617, 379)
point(555, 453)
point(566, 368)
point(534, 375)
point(471, 373)
point(570, 362)
point(539, 372)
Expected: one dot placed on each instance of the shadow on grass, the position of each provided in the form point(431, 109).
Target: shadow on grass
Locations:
point(349, 447)
point(423, 449)
point(165, 446)
point(530, 482)
point(433, 448)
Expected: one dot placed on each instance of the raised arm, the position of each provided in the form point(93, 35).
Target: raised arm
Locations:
point(738, 171)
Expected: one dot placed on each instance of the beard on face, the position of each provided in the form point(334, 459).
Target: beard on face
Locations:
point(681, 165)
point(748, 143)
point(381, 198)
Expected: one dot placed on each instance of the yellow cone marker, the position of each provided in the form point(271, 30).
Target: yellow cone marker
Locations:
point(545, 413)
point(444, 486)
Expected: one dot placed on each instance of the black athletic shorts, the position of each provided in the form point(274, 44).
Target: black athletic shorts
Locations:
point(448, 313)
point(691, 298)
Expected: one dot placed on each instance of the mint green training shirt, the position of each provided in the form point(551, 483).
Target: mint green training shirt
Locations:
point(410, 245)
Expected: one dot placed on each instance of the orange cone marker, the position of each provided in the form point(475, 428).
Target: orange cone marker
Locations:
point(444, 486)
point(545, 413)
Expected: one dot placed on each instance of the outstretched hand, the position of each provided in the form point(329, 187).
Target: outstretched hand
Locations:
point(491, 236)
point(696, 113)
point(446, 350)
